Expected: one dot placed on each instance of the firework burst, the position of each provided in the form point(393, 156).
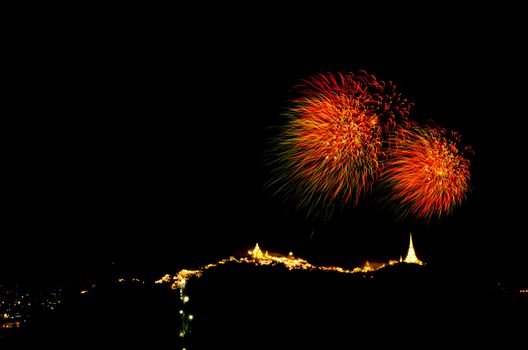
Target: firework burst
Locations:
point(427, 174)
point(332, 147)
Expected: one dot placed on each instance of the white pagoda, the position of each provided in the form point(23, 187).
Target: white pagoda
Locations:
point(411, 255)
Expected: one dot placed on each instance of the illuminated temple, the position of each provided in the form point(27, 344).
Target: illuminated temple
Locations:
point(411, 255)
point(257, 257)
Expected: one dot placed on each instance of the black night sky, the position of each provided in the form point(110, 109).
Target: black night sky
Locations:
point(144, 147)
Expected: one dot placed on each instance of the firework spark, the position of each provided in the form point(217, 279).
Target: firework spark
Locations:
point(427, 174)
point(332, 147)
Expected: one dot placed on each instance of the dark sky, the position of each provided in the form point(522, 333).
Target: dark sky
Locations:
point(146, 147)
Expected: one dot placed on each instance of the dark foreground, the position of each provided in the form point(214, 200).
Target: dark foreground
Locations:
point(247, 307)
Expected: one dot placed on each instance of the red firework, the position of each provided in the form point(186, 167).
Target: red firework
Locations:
point(331, 150)
point(427, 174)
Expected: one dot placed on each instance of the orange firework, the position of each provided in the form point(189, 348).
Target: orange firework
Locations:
point(427, 174)
point(331, 149)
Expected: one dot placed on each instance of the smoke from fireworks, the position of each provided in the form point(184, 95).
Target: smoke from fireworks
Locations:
point(332, 147)
point(427, 174)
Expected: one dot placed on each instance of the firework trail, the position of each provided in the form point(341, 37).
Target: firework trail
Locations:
point(332, 147)
point(427, 175)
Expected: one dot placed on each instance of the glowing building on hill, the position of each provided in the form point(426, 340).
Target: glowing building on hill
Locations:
point(411, 255)
point(256, 253)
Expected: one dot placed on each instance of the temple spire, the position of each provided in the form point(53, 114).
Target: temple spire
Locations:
point(411, 255)
point(256, 253)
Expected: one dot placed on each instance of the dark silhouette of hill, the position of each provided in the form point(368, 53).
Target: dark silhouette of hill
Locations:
point(239, 306)
point(234, 306)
